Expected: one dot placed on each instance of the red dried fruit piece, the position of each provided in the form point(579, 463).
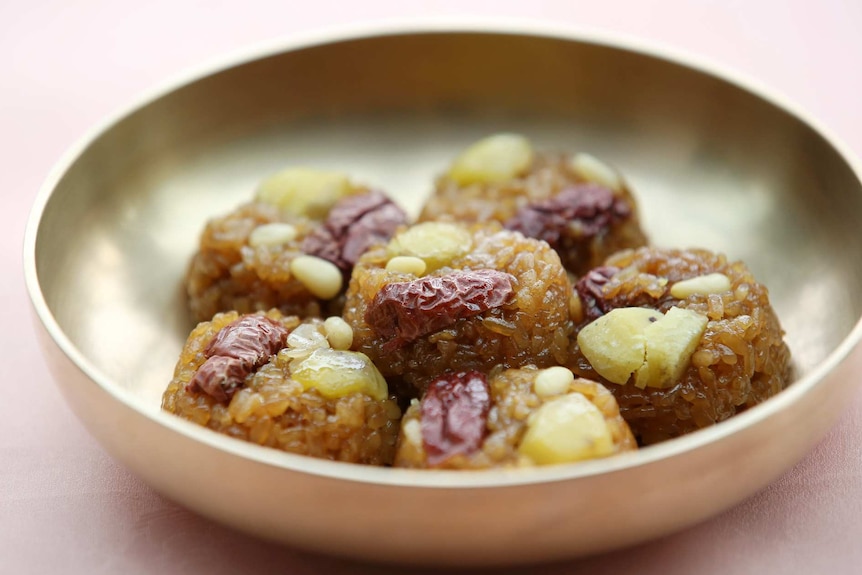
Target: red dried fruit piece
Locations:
point(354, 224)
point(406, 311)
point(235, 352)
point(251, 339)
point(596, 301)
point(589, 289)
point(577, 213)
point(220, 377)
point(454, 413)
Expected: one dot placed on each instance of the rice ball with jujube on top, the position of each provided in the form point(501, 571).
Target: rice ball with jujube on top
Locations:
point(578, 204)
point(446, 296)
point(292, 248)
point(278, 382)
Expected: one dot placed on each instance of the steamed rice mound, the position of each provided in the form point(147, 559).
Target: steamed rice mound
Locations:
point(274, 410)
point(531, 329)
point(741, 360)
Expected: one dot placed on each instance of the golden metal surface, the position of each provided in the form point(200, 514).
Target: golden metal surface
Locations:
point(713, 164)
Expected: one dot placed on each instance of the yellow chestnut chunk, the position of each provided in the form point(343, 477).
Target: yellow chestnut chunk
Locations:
point(615, 344)
point(701, 285)
point(594, 170)
point(493, 159)
point(435, 243)
point(337, 373)
point(670, 343)
point(566, 429)
point(304, 191)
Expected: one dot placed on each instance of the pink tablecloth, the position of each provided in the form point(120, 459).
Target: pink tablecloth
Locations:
point(67, 507)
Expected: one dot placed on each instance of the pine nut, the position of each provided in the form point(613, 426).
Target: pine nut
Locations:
point(338, 332)
point(321, 277)
point(274, 234)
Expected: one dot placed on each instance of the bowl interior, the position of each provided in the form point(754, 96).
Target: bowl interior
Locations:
point(711, 164)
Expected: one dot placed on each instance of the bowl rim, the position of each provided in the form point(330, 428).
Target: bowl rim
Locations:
point(397, 477)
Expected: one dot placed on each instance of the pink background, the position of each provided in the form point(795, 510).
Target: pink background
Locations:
point(67, 507)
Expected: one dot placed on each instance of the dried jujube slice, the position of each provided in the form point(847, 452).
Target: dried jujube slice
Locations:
point(220, 377)
point(235, 352)
point(405, 311)
point(599, 291)
point(577, 213)
point(251, 339)
point(589, 290)
point(454, 412)
point(353, 225)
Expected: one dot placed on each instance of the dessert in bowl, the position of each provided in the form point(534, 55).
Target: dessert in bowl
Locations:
point(713, 164)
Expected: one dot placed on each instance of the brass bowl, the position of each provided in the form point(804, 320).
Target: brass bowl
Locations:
point(714, 163)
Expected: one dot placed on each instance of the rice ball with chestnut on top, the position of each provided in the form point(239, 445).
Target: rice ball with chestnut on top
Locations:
point(578, 204)
point(684, 339)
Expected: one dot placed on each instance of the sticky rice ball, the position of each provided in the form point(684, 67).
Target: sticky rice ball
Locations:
point(515, 417)
point(682, 338)
point(444, 296)
point(271, 380)
point(578, 204)
point(292, 248)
